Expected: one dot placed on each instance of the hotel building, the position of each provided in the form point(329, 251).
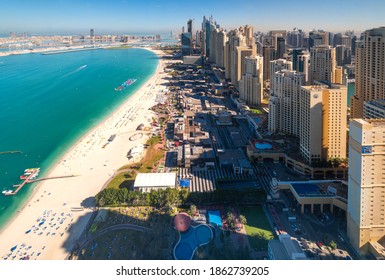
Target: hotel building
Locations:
point(285, 87)
point(370, 70)
point(323, 118)
point(240, 44)
point(251, 84)
point(366, 194)
point(322, 64)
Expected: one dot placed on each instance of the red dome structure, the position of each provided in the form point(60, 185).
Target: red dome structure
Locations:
point(182, 222)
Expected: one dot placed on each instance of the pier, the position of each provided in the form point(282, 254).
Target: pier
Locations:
point(50, 178)
point(30, 179)
point(69, 50)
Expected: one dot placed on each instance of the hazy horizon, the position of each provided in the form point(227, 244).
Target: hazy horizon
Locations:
point(154, 17)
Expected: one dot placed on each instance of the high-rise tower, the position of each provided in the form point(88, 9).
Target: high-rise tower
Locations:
point(370, 70)
point(251, 84)
point(322, 64)
point(366, 191)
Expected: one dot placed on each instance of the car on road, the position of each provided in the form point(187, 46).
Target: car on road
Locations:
point(340, 238)
point(319, 244)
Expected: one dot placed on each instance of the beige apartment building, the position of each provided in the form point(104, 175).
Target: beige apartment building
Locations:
point(240, 44)
point(251, 84)
point(218, 40)
point(323, 117)
point(370, 70)
point(285, 86)
point(322, 64)
point(366, 198)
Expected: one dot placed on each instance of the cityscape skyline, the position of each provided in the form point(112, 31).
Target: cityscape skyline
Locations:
point(121, 16)
point(276, 137)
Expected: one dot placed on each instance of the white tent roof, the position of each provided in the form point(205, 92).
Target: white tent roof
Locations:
point(155, 180)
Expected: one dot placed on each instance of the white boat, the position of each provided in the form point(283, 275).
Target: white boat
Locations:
point(29, 171)
point(7, 192)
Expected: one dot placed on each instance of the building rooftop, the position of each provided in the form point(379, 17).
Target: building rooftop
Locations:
point(374, 122)
point(320, 189)
point(155, 180)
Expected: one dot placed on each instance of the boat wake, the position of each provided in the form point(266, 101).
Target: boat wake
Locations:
point(75, 71)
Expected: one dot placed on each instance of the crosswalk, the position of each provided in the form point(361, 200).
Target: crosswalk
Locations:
point(205, 180)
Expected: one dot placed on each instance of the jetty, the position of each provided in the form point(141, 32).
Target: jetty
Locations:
point(29, 177)
point(69, 50)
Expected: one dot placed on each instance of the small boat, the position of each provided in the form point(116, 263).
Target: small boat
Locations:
point(7, 192)
point(125, 84)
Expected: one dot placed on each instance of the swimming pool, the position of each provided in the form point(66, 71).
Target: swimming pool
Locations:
point(190, 240)
point(263, 146)
point(215, 218)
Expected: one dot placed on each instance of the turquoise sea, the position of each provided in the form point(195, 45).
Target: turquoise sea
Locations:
point(47, 102)
point(350, 92)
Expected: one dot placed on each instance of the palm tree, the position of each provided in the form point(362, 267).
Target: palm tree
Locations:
point(242, 220)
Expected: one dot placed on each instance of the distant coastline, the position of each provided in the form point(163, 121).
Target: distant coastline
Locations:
point(58, 50)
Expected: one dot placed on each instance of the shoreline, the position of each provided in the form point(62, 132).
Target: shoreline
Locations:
point(103, 162)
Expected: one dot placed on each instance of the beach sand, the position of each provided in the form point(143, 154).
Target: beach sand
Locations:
point(54, 214)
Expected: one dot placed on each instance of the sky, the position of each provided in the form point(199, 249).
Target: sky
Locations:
point(163, 16)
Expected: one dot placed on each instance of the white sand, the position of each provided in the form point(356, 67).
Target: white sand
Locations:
point(59, 200)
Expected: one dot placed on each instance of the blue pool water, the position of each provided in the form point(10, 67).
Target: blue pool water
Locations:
point(309, 190)
point(190, 240)
point(263, 146)
point(215, 218)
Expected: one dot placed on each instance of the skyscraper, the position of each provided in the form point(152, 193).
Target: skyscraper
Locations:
point(268, 53)
point(186, 44)
point(189, 26)
point(322, 64)
point(285, 86)
point(366, 191)
point(281, 47)
point(207, 27)
point(323, 119)
point(251, 83)
point(303, 65)
point(370, 70)
point(240, 44)
point(279, 64)
point(217, 47)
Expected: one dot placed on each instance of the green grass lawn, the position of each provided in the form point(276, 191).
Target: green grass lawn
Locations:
point(257, 223)
point(122, 180)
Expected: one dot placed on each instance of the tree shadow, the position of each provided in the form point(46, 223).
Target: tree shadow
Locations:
point(128, 233)
point(89, 202)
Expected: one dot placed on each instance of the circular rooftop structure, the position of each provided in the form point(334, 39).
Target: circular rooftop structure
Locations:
point(182, 222)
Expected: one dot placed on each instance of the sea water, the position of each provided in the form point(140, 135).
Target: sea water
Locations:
point(47, 102)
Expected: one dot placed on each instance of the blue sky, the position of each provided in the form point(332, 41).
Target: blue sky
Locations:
point(162, 16)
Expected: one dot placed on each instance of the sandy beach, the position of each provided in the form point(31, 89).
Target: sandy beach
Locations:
point(52, 220)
